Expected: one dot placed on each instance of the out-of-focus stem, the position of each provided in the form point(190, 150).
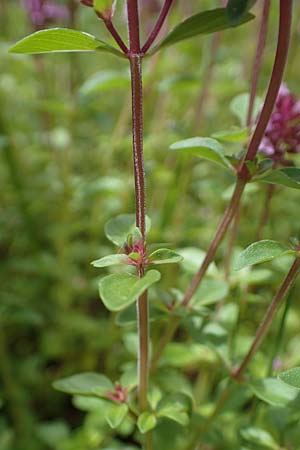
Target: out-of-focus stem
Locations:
point(267, 320)
point(258, 58)
point(265, 212)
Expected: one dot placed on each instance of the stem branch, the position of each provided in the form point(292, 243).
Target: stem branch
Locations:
point(158, 26)
point(267, 320)
point(110, 26)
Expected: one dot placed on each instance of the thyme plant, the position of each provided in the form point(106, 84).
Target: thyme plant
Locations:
point(141, 399)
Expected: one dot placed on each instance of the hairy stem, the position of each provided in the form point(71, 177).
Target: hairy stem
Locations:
point(258, 58)
point(267, 320)
point(140, 190)
point(158, 25)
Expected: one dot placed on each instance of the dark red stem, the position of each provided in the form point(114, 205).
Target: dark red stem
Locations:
point(135, 59)
point(258, 58)
point(158, 25)
point(110, 26)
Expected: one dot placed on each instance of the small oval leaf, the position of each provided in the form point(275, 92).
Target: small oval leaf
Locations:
point(119, 290)
point(61, 40)
point(207, 148)
point(164, 256)
point(206, 22)
point(260, 252)
point(274, 392)
point(287, 176)
point(110, 260)
point(146, 422)
point(291, 377)
point(119, 228)
point(115, 414)
point(84, 384)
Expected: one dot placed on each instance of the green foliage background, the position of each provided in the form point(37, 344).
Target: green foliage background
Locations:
point(66, 168)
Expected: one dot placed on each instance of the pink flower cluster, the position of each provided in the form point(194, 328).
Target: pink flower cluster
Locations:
point(282, 135)
point(42, 12)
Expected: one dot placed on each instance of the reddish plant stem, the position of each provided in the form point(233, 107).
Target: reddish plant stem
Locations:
point(140, 190)
point(267, 320)
point(158, 25)
point(258, 58)
point(243, 172)
point(110, 26)
point(285, 20)
point(223, 226)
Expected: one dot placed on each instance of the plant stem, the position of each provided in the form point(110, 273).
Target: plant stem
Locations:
point(265, 212)
point(279, 336)
point(237, 374)
point(267, 320)
point(208, 76)
point(284, 34)
point(243, 172)
point(158, 26)
point(140, 190)
point(258, 58)
point(223, 226)
point(110, 26)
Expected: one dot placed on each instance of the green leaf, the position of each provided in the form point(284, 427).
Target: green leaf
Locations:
point(239, 107)
point(146, 422)
point(288, 176)
point(115, 414)
point(119, 290)
point(260, 252)
point(291, 377)
point(84, 403)
point(111, 260)
point(206, 148)
point(237, 8)
point(154, 396)
point(206, 22)
point(274, 392)
point(174, 411)
point(257, 436)
point(61, 40)
point(192, 259)
point(210, 292)
point(104, 80)
point(119, 228)
point(239, 135)
point(165, 256)
point(84, 384)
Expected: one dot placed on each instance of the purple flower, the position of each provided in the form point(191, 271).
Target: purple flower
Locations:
point(42, 12)
point(282, 135)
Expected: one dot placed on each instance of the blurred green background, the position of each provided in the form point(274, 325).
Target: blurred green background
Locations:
point(66, 168)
